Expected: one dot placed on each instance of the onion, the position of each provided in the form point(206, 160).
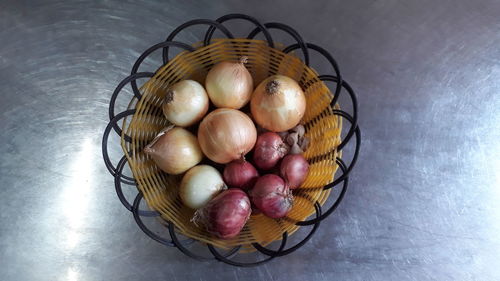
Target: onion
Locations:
point(226, 135)
point(269, 149)
point(175, 150)
point(278, 103)
point(240, 174)
point(186, 102)
point(294, 169)
point(229, 84)
point(271, 196)
point(199, 185)
point(226, 214)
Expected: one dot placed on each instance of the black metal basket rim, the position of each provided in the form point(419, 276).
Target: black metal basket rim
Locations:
point(120, 178)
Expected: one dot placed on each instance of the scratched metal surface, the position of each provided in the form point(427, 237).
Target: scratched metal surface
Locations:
point(423, 202)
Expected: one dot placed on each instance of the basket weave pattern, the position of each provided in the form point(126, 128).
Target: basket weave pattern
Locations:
point(323, 119)
point(323, 128)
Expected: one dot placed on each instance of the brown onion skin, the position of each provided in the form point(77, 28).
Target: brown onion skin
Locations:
point(226, 135)
point(185, 103)
point(175, 151)
point(294, 169)
point(269, 149)
point(229, 84)
point(240, 174)
point(226, 214)
point(278, 103)
point(271, 196)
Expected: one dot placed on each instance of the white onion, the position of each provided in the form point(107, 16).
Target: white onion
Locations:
point(278, 103)
point(229, 84)
point(200, 184)
point(186, 102)
point(175, 150)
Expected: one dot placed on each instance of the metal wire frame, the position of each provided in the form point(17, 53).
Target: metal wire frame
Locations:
point(305, 47)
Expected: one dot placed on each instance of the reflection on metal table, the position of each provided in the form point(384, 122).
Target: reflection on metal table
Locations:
point(423, 198)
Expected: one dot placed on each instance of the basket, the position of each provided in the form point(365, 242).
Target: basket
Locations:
point(144, 119)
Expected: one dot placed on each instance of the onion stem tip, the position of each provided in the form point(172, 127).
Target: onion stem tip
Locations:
point(272, 87)
point(243, 59)
point(169, 96)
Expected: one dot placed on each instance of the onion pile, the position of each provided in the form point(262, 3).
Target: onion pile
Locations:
point(260, 184)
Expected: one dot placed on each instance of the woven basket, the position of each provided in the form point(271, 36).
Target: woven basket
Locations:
point(322, 128)
point(143, 119)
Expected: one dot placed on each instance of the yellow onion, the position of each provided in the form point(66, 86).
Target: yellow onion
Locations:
point(226, 134)
point(229, 84)
point(175, 150)
point(186, 102)
point(278, 103)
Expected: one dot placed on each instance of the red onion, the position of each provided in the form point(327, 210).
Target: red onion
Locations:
point(226, 214)
point(294, 169)
point(269, 149)
point(272, 196)
point(240, 174)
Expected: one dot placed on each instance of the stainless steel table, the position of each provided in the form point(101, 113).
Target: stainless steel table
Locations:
point(423, 202)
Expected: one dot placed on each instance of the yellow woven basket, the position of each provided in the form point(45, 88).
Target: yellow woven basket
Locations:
point(323, 128)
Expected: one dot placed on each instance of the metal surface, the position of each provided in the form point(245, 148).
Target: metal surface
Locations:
point(423, 198)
